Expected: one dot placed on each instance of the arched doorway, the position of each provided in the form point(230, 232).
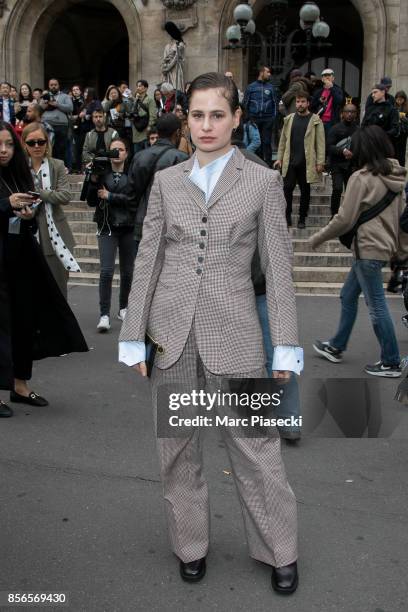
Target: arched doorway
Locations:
point(374, 43)
point(95, 50)
point(343, 50)
point(30, 23)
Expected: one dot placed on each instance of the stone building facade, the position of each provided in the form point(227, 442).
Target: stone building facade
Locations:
point(34, 33)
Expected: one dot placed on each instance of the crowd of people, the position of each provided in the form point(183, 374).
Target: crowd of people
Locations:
point(181, 185)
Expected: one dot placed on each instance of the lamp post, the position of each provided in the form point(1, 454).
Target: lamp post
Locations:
point(277, 49)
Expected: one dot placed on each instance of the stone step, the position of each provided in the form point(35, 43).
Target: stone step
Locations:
point(333, 289)
point(83, 227)
point(324, 274)
point(329, 260)
point(303, 245)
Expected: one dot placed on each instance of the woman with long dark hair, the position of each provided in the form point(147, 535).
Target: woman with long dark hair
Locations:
point(35, 320)
point(25, 98)
point(115, 110)
point(192, 293)
point(401, 104)
point(376, 190)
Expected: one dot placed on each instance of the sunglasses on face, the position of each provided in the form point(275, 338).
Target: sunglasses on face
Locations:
point(39, 143)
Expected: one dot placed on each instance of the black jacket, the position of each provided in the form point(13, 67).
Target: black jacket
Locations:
point(339, 132)
point(145, 164)
point(385, 116)
point(120, 210)
point(338, 99)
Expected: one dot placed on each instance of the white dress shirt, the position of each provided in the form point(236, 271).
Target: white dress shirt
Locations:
point(288, 358)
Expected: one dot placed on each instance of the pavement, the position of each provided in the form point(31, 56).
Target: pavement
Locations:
point(81, 507)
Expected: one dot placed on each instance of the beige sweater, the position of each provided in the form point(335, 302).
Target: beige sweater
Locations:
point(380, 238)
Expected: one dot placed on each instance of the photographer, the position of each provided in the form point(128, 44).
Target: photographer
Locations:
point(144, 115)
point(115, 205)
point(57, 106)
point(98, 139)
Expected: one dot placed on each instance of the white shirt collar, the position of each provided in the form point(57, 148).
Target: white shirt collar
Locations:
point(207, 177)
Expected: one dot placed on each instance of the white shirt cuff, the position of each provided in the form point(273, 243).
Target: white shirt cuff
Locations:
point(288, 358)
point(132, 352)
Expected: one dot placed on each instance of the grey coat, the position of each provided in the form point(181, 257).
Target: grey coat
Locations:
point(194, 265)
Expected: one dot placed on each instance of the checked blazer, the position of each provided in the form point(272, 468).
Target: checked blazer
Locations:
point(194, 267)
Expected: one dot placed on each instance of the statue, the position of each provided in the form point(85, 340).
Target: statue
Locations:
point(173, 58)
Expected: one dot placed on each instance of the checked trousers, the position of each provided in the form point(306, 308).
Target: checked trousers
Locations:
point(267, 501)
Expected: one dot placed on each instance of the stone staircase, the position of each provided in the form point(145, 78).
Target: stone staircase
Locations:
point(319, 273)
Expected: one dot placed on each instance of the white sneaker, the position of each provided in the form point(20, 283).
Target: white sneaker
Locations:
point(122, 314)
point(103, 325)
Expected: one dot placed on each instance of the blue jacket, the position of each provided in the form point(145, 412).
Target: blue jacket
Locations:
point(260, 100)
point(252, 139)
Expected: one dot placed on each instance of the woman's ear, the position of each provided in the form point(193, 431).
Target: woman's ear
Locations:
point(237, 118)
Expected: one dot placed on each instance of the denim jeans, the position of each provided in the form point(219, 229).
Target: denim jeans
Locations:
point(365, 276)
point(108, 246)
point(291, 406)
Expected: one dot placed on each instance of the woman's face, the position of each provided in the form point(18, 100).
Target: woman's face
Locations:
point(25, 91)
point(399, 101)
point(157, 95)
point(6, 148)
point(113, 94)
point(76, 91)
point(36, 144)
point(211, 121)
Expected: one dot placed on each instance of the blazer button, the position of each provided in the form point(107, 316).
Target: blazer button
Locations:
point(199, 270)
point(204, 219)
point(202, 245)
point(203, 233)
point(200, 259)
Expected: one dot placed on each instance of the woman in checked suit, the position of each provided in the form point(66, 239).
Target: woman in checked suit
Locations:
point(192, 292)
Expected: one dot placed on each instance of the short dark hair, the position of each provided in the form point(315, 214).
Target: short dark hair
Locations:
point(216, 80)
point(38, 89)
point(53, 79)
point(261, 65)
point(122, 140)
point(167, 125)
point(5, 83)
point(123, 83)
point(143, 82)
point(372, 148)
point(304, 96)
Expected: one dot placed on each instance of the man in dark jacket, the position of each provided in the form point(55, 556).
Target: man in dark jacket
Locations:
point(162, 154)
point(387, 82)
point(328, 101)
point(340, 155)
point(382, 113)
point(260, 105)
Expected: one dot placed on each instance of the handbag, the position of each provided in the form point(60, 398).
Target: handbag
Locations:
point(347, 238)
point(140, 121)
point(152, 348)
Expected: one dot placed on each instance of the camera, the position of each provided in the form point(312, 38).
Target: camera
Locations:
point(48, 97)
point(99, 167)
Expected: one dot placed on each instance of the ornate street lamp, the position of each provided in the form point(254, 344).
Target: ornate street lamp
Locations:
point(277, 48)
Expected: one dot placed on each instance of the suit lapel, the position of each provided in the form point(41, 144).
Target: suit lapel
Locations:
point(191, 187)
point(230, 175)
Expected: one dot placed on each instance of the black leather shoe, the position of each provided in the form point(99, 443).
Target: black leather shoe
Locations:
point(285, 579)
point(193, 571)
point(33, 399)
point(5, 411)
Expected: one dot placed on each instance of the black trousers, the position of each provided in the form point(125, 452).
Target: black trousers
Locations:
point(296, 175)
point(265, 127)
point(340, 177)
point(60, 141)
point(108, 247)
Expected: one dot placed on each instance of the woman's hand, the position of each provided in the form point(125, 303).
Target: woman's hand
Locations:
point(283, 375)
point(25, 213)
point(103, 193)
point(141, 368)
point(18, 200)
